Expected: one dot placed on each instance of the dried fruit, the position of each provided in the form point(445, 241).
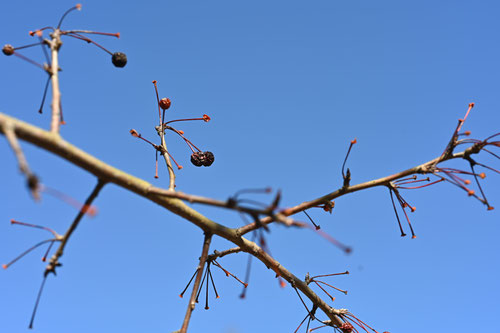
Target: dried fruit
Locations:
point(202, 158)
point(119, 59)
point(164, 103)
point(8, 49)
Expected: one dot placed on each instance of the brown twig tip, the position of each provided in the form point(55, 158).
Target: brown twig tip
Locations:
point(491, 207)
point(134, 133)
point(206, 118)
point(413, 209)
point(471, 105)
point(467, 133)
point(354, 141)
point(165, 103)
point(8, 49)
point(282, 283)
point(78, 6)
point(4, 266)
point(413, 237)
point(470, 192)
point(482, 175)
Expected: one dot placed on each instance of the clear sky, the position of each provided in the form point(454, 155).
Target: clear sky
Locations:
point(287, 84)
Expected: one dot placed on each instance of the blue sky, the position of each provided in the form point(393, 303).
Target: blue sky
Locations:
point(287, 84)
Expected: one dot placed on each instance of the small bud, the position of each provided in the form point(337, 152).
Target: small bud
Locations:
point(467, 133)
point(119, 59)
point(470, 192)
point(134, 133)
point(165, 103)
point(413, 209)
point(467, 182)
point(181, 131)
point(206, 118)
point(482, 175)
point(491, 207)
point(354, 141)
point(471, 105)
point(78, 6)
point(8, 49)
point(32, 182)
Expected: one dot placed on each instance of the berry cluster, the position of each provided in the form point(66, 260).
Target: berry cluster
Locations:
point(198, 157)
point(202, 158)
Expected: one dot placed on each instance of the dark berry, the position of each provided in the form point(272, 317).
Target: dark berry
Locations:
point(209, 158)
point(165, 103)
point(119, 59)
point(8, 49)
point(202, 158)
point(197, 158)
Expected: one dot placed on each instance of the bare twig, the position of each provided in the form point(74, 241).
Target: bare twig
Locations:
point(31, 179)
point(424, 168)
point(192, 303)
point(220, 254)
point(55, 44)
point(54, 260)
point(161, 132)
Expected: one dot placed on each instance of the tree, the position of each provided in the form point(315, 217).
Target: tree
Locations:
point(248, 154)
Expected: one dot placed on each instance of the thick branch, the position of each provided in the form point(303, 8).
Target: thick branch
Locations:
point(55, 144)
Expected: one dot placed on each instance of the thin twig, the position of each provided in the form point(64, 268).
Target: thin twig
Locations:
point(424, 168)
point(192, 303)
point(55, 44)
point(11, 137)
point(54, 260)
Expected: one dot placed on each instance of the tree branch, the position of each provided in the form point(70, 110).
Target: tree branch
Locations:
point(424, 168)
point(54, 143)
point(192, 303)
point(54, 260)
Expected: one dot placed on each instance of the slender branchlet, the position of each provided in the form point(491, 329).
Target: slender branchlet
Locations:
point(347, 175)
point(197, 281)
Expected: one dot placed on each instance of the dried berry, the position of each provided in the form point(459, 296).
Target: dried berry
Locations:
point(202, 158)
point(119, 59)
point(8, 49)
point(209, 158)
point(197, 158)
point(165, 103)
